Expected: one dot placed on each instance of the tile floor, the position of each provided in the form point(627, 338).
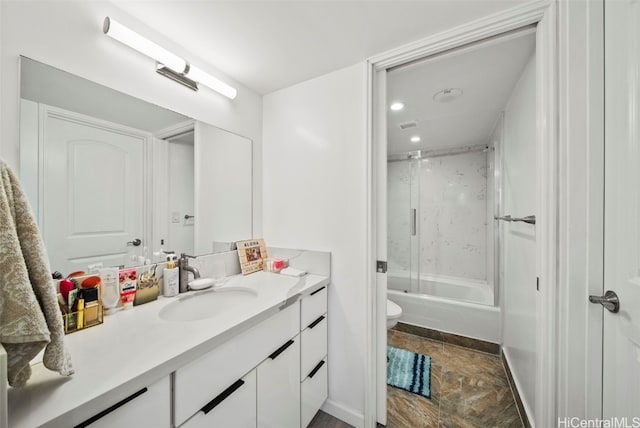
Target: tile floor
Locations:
point(468, 389)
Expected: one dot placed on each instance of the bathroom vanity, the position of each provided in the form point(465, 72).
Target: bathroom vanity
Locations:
point(260, 361)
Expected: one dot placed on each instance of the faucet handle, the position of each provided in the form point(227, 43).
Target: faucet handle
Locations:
point(184, 256)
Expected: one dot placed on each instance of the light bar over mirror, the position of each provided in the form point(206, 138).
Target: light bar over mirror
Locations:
point(169, 64)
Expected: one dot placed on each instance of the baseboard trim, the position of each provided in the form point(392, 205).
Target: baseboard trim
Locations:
point(450, 338)
point(516, 394)
point(344, 413)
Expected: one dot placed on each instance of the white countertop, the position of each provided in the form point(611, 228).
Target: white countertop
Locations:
point(134, 348)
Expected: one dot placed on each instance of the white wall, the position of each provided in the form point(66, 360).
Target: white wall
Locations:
point(315, 197)
point(68, 35)
point(519, 239)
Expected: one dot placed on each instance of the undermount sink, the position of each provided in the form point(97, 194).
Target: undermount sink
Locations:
point(206, 304)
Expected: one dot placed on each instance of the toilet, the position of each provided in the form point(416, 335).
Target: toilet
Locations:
point(394, 312)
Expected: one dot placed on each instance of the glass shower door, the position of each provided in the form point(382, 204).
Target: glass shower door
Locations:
point(403, 225)
point(414, 226)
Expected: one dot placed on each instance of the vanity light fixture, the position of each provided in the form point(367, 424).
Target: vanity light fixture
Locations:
point(168, 64)
point(415, 139)
point(396, 106)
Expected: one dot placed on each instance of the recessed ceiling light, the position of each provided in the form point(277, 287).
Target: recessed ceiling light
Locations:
point(396, 106)
point(415, 139)
point(446, 95)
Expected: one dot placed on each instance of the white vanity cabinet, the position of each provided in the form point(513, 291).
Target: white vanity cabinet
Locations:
point(279, 387)
point(261, 364)
point(313, 354)
point(272, 375)
point(150, 406)
point(201, 381)
point(235, 407)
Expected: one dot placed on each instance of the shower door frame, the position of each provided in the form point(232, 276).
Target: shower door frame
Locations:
point(543, 15)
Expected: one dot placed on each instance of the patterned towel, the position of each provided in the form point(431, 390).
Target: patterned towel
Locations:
point(30, 317)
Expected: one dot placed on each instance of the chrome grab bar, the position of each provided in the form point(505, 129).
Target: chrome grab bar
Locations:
point(530, 219)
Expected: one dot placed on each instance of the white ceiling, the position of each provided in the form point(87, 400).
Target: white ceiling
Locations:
point(268, 45)
point(487, 74)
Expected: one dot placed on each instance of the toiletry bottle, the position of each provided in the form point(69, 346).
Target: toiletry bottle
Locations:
point(110, 289)
point(171, 277)
point(80, 311)
point(128, 285)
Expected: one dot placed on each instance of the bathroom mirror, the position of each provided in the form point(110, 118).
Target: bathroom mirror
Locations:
point(114, 179)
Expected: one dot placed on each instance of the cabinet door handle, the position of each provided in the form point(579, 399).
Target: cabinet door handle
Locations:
point(316, 322)
point(222, 396)
point(316, 368)
point(317, 291)
point(281, 349)
point(116, 406)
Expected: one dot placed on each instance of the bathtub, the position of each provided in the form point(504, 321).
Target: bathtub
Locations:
point(452, 305)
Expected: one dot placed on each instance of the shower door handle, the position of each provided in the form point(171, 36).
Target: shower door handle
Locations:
point(412, 220)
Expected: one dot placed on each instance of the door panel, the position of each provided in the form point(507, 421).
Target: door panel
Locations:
point(278, 378)
point(621, 353)
point(92, 192)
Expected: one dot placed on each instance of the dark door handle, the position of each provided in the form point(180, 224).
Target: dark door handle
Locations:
point(222, 396)
point(317, 291)
point(316, 368)
point(136, 242)
point(281, 349)
point(111, 409)
point(316, 322)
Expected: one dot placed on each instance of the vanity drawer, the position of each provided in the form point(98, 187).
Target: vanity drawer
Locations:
point(235, 407)
point(313, 393)
point(312, 306)
point(149, 406)
point(314, 345)
point(198, 382)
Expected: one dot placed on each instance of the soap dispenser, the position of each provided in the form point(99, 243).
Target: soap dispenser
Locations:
point(171, 277)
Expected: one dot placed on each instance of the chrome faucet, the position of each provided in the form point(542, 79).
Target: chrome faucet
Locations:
point(183, 265)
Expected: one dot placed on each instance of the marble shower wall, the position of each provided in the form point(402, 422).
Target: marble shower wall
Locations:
point(452, 215)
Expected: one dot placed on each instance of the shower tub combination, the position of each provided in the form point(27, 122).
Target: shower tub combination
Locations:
point(452, 305)
point(442, 241)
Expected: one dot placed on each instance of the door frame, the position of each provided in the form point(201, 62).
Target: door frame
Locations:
point(160, 183)
point(581, 210)
point(542, 13)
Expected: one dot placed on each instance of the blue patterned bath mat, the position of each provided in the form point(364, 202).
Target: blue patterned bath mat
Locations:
point(409, 371)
